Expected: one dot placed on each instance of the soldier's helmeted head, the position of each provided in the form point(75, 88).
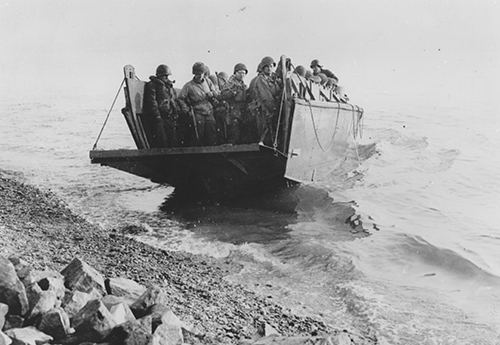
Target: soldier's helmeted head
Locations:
point(198, 71)
point(267, 65)
point(164, 73)
point(223, 76)
point(316, 66)
point(300, 70)
point(240, 70)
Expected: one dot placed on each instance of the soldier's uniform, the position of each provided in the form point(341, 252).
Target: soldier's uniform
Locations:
point(197, 96)
point(234, 92)
point(160, 109)
point(265, 94)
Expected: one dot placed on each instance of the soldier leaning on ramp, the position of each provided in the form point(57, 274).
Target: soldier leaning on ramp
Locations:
point(160, 109)
point(265, 92)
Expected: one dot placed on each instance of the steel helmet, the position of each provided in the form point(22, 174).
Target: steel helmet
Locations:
point(198, 68)
point(162, 70)
point(315, 63)
point(300, 70)
point(240, 67)
point(267, 61)
point(223, 75)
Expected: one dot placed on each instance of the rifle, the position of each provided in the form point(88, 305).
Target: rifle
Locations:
point(191, 111)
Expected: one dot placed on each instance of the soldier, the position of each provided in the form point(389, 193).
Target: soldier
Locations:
point(197, 96)
point(160, 108)
point(300, 70)
point(234, 92)
point(222, 79)
point(266, 93)
point(318, 68)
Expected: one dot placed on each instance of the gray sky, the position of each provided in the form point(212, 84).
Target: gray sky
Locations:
point(442, 49)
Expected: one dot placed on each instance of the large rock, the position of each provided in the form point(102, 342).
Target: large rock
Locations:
point(12, 291)
point(4, 339)
point(93, 321)
point(110, 300)
point(4, 309)
point(78, 275)
point(170, 330)
point(75, 300)
point(130, 333)
point(152, 296)
point(22, 268)
point(55, 323)
point(123, 287)
point(121, 313)
point(13, 321)
point(28, 336)
point(45, 291)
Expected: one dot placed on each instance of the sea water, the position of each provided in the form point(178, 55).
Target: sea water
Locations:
point(402, 245)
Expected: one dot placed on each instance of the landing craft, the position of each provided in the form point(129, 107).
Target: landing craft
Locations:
point(316, 128)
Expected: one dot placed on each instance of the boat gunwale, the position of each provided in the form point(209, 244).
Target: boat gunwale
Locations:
point(173, 151)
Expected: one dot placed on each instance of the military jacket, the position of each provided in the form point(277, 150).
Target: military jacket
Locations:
point(159, 99)
point(196, 95)
point(266, 92)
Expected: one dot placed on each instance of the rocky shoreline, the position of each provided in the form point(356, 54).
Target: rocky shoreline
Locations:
point(38, 228)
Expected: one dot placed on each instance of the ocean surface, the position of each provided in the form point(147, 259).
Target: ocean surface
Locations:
point(402, 245)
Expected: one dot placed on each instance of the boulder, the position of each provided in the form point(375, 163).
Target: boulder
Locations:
point(266, 330)
point(121, 313)
point(45, 291)
point(110, 300)
point(152, 296)
point(22, 268)
point(12, 291)
point(28, 336)
point(130, 333)
point(147, 323)
point(165, 335)
point(46, 280)
point(4, 309)
point(4, 339)
point(78, 275)
point(93, 321)
point(13, 321)
point(73, 301)
point(169, 332)
point(55, 323)
point(123, 287)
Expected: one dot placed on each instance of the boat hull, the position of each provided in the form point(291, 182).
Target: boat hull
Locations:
point(216, 170)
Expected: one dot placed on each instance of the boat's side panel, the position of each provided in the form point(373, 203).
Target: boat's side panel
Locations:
point(320, 136)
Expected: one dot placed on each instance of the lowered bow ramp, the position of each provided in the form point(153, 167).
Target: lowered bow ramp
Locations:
point(321, 134)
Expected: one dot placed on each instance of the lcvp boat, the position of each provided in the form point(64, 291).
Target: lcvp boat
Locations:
point(316, 129)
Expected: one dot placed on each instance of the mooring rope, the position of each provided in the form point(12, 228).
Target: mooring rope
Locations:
point(109, 112)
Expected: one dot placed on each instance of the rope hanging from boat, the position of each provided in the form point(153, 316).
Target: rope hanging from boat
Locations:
point(109, 112)
point(330, 144)
point(354, 132)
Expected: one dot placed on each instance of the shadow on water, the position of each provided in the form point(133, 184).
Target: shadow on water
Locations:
point(263, 218)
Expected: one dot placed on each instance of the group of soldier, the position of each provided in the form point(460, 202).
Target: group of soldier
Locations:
point(215, 109)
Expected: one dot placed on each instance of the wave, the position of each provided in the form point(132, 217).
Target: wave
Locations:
point(443, 259)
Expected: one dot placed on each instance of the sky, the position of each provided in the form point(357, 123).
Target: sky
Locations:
point(441, 51)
